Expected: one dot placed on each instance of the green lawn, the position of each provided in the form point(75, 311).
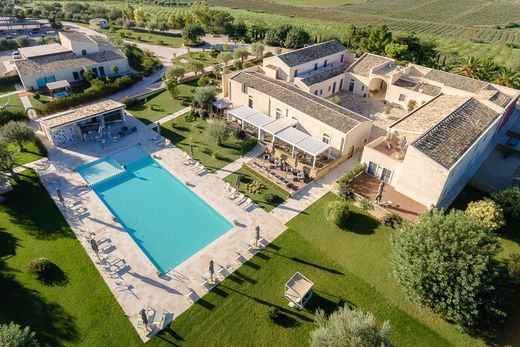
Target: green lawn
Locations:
point(248, 176)
point(204, 57)
point(161, 105)
point(14, 103)
point(75, 308)
point(195, 133)
point(348, 266)
point(34, 152)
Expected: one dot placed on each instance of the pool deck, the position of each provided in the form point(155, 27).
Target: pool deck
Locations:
point(133, 279)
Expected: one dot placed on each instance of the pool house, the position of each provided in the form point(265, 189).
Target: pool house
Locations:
point(103, 122)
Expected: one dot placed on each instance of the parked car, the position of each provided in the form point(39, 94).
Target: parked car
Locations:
point(16, 55)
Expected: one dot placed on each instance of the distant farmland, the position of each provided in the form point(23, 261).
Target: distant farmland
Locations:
point(473, 27)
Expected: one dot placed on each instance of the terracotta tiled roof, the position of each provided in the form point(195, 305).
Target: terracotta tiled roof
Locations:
point(307, 54)
point(324, 75)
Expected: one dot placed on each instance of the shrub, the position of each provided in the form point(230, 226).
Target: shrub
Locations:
point(37, 96)
point(335, 99)
point(513, 266)
point(392, 220)
point(270, 198)
point(203, 81)
point(344, 190)
point(13, 335)
point(206, 150)
point(488, 212)
point(268, 54)
point(446, 263)
point(509, 201)
point(247, 64)
point(247, 145)
point(189, 117)
point(338, 213)
point(366, 204)
point(356, 170)
point(255, 187)
point(39, 267)
point(346, 327)
point(18, 132)
point(217, 155)
point(412, 104)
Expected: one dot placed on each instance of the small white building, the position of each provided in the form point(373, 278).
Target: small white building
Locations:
point(73, 126)
point(69, 60)
point(318, 69)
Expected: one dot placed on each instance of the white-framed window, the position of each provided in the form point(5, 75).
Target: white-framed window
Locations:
point(325, 139)
point(402, 97)
point(278, 113)
point(295, 73)
point(250, 102)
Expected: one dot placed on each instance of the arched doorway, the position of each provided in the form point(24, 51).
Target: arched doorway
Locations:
point(377, 88)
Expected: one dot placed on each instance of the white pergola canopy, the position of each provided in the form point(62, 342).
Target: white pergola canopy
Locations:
point(282, 129)
point(298, 290)
point(58, 84)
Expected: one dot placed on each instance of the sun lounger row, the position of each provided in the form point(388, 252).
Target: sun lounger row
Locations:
point(197, 167)
point(238, 198)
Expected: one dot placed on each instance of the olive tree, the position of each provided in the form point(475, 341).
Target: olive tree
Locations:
point(349, 328)
point(18, 133)
point(240, 53)
point(219, 130)
point(196, 66)
point(257, 49)
point(225, 57)
point(175, 72)
point(13, 335)
point(445, 263)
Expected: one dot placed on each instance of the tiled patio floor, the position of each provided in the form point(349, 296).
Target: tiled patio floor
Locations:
point(404, 206)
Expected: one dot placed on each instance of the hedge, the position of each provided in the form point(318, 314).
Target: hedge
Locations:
point(95, 91)
point(6, 116)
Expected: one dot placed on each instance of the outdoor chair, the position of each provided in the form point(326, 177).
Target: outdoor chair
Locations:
point(241, 200)
point(232, 193)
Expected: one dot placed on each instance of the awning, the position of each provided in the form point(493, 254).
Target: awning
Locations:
point(279, 125)
point(251, 116)
point(302, 141)
point(221, 104)
point(298, 287)
point(58, 84)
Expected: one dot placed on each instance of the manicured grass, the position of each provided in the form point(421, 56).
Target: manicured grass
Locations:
point(14, 103)
point(348, 266)
point(204, 57)
point(247, 176)
point(73, 308)
point(196, 133)
point(34, 152)
point(161, 105)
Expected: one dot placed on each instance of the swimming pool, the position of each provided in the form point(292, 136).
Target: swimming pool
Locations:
point(163, 216)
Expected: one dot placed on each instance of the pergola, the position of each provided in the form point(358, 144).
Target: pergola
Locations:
point(58, 86)
point(281, 129)
point(298, 290)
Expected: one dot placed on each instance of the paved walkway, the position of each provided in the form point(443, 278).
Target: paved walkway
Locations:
point(312, 192)
point(237, 164)
point(170, 117)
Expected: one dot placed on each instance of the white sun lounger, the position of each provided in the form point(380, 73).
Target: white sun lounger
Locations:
point(227, 188)
point(224, 271)
point(232, 193)
point(196, 166)
point(237, 196)
point(241, 200)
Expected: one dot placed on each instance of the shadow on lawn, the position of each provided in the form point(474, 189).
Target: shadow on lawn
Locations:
point(361, 223)
point(304, 262)
point(52, 324)
point(24, 207)
point(55, 277)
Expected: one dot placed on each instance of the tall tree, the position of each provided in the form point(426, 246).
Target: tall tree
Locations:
point(297, 38)
point(377, 39)
point(7, 161)
point(257, 49)
point(203, 99)
point(18, 133)
point(277, 36)
point(241, 53)
point(225, 57)
point(175, 72)
point(238, 31)
point(192, 33)
point(446, 263)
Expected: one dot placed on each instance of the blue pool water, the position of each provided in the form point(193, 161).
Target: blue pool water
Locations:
point(164, 217)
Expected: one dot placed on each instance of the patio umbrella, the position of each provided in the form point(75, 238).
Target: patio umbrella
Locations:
point(211, 269)
point(158, 128)
point(379, 193)
point(237, 181)
point(191, 150)
point(94, 246)
point(257, 235)
point(144, 318)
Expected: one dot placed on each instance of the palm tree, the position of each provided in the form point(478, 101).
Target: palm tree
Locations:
point(488, 69)
point(468, 66)
point(508, 78)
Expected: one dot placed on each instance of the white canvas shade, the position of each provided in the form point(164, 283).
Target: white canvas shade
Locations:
point(298, 290)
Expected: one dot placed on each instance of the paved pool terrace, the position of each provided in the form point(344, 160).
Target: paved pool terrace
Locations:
point(86, 213)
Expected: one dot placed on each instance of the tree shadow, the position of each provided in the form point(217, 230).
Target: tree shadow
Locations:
point(361, 223)
point(55, 277)
point(52, 324)
point(304, 262)
point(285, 321)
point(30, 206)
